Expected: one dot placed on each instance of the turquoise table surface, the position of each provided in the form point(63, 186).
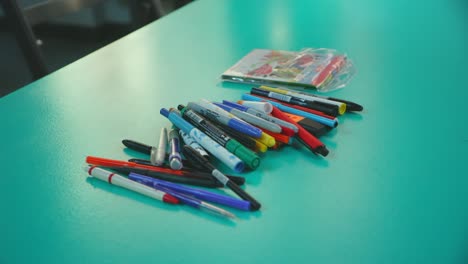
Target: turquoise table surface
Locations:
point(393, 189)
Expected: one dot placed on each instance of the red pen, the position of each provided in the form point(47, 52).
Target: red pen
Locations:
point(315, 145)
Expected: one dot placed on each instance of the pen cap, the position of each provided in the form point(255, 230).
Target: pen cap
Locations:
point(177, 120)
point(244, 154)
point(262, 106)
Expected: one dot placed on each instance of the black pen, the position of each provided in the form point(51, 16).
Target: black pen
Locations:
point(325, 108)
point(203, 171)
point(192, 153)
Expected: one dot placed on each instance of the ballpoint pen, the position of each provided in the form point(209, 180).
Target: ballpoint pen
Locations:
point(115, 179)
point(194, 202)
point(195, 192)
point(161, 152)
point(254, 204)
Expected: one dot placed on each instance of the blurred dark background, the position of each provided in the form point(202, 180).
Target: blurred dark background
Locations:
point(38, 37)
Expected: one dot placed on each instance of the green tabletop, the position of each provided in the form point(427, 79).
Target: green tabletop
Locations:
point(392, 190)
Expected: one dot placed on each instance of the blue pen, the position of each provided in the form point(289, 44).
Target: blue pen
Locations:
point(261, 114)
point(175, 160)
point(205, 141)
point(252, 119)
point(217, 114)
point(194, 202)
point(198, 193)
point(320, 119)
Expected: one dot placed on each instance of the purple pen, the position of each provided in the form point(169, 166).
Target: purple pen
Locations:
point(198, 193)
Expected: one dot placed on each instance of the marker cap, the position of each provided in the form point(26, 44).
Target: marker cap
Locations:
point(244, 154)
point(262, 106)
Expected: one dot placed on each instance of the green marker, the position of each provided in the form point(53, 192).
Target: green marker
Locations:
point(232, 145)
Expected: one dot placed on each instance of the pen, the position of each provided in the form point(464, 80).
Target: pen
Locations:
point(161, 153)
point(341, 106)
point(242, 138)
point(175, 160)
point(252, 119)
point(188, 140)
point(213, 112)
point(205, 141)
point(313, 127)
point(315, 145)
point(198, 193)
point(137, 146)
point(187, 177)
point(350, 106)
point(285, 126)
point(115, 179)
point(298, 107)
point(254, 204)
point(320, 119)
point(328, 109)
point(239, 180)
point(196, 203)
point(232, 145)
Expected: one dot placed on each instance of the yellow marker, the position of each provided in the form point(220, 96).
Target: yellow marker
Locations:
point(267, 140)
point(341, 106)
point(259, 146)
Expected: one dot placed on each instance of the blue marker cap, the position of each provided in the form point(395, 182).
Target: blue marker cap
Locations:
point(235, 105)
point(177, 120)
point(223, 106)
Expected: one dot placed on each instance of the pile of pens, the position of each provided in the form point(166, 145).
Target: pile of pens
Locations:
point(232, 133)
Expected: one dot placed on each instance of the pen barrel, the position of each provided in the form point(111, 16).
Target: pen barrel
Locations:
point(118, 180)
point(254, 204)
point(191, 142)
point(137, 146)
point(161, 151)
point(198, 193)
point(175, 160)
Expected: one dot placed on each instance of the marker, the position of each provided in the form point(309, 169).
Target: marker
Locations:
point(213, 112)
point(175, 160)
point(285, 126)
point(186, 177)
point(279, 137)
point(254, 204)
point(196, 203)
point(161, 152)
point(350, 106)
point(328, 109)
point(320, 119)
point(242, 138)
point(252, 119)
point(188, 140)
point(239, 180)
point(341, 106)
point(115, 179)
point(198, 193)
point(205, 141)
point(232, 145)
point(311, 141)
point(259, 146)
